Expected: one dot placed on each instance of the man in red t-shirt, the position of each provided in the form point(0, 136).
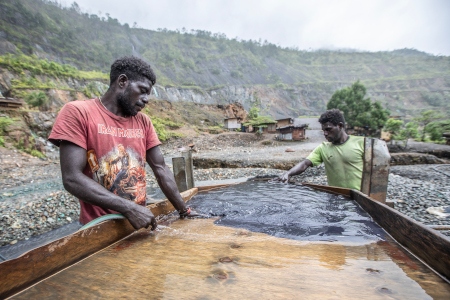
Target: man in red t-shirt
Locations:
point(104, 144)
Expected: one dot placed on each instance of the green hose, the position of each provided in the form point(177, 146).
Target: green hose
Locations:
point(101, 219)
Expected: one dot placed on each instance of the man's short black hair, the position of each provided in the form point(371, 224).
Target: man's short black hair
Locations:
point(135, 68)
point(334, 116)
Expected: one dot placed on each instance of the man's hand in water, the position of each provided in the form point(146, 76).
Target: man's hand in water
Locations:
point(140, 217)
point(191, 214)
point(282, 178)
point(296, 170)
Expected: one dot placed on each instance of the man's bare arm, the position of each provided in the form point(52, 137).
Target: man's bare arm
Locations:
point(73, 160)
point(165, 178)
point(296, 170)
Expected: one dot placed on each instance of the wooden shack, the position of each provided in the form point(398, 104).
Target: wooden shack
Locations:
point(284, 122)
point(292, 130)
point(232, 123)
point(270, 127)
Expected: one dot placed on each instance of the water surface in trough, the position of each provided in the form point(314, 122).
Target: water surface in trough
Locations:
point(289, 211)
point(295, 256)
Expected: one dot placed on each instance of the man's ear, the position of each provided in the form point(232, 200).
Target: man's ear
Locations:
point(122, 80)
point(341, 125)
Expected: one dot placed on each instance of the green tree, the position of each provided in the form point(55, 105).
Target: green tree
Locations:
point(436, 129)
point(256, 120)
point(393, 126)
point(38, 99)
point(425, 118)
point(410, 131)
point(358, 110)
point(253, 113)
point(259, 121)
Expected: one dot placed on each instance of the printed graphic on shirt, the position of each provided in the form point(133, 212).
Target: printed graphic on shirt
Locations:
point(121, 132)
point(121, 172)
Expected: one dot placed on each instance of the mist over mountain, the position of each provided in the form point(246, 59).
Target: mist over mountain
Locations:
point(210, 68)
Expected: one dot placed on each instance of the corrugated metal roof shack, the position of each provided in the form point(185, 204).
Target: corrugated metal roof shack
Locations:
point(291, 129)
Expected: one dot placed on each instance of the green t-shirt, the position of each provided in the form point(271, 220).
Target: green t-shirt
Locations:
point(343, 163)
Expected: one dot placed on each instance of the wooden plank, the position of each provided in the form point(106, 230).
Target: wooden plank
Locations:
point(439, 227)
point(39, 263)
point(430, 246)
point(179, 173)
point(375, 169)
point(380, 171)
point(330, 189)
point(367, 166)
point(427, 244)
point(206, 188)
point(189, 168)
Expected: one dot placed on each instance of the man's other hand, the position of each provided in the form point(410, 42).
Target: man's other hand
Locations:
point(141, 217)
point(191, 214)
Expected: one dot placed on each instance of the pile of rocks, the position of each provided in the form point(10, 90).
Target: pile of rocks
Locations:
point(215, 174)
point(224, 141)
point(21, 220)
point(422, 192)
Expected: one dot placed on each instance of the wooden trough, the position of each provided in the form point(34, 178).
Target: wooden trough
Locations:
point(429, 246)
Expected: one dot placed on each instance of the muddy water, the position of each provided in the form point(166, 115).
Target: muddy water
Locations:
point(198, 259)
point(289, 211)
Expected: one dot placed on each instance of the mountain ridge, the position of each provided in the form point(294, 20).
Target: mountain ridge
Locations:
point(207, 67)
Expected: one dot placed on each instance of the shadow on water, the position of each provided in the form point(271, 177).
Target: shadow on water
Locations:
point(288, 211)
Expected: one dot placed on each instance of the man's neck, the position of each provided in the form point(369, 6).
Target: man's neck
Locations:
point(343, 139)
point(108, 102)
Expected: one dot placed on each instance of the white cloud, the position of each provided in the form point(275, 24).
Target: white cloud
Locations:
point(366, 25)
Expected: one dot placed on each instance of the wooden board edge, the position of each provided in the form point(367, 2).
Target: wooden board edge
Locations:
point(57, 255)
point(43, 261)
point(206, 188)
point(330, 189)
point(430, 246)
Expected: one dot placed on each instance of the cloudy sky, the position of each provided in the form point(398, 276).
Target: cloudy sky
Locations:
point(371, 25)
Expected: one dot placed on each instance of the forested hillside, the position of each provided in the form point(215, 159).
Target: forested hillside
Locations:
point(207, 67)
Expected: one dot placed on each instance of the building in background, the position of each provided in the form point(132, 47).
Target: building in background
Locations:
point(232, 123)
point(291, 129)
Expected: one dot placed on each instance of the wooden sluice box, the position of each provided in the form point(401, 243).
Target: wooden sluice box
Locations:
point(198, 259)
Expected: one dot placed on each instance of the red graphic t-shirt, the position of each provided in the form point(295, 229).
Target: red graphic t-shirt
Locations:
point(116, 149)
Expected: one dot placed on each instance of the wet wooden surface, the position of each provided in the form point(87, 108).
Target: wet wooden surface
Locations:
point(195, 259)
point(194, 256)
point(427, 244)
point(43, 261)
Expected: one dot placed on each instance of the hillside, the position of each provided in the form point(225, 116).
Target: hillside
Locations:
point(208, 68)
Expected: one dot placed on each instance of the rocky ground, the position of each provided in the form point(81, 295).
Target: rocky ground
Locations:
point(33, 200)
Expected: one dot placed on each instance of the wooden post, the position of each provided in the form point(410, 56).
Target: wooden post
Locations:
point(179, 172)
point(367, 168)
point(183, 171)
point(189, 169)
point(376, 169)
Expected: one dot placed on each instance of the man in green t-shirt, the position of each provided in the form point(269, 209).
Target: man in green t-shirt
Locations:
point(342, 155)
